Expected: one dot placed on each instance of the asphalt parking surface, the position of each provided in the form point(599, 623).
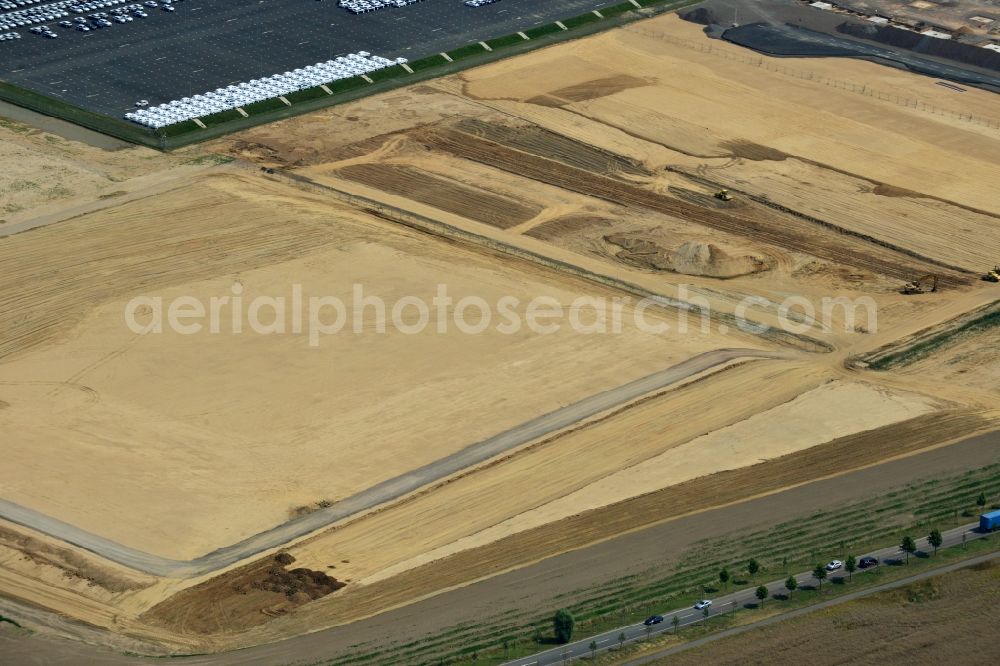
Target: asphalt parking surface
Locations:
point(208, 44)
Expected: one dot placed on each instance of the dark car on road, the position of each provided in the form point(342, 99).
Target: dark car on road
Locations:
point(653, 619)
point(867, 562)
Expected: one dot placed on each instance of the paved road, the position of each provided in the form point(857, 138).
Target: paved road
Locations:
point(60, 641)
point(815, 607)
point(380, 493)
point(728, 603)
point(792, 40)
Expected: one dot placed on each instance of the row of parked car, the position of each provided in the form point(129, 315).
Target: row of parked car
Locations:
point(479, 3)
point(365, 6)
point(257, 90)
point(122, 11)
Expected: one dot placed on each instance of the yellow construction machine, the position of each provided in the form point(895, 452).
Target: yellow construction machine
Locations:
point(723, 195)
point(993, 275)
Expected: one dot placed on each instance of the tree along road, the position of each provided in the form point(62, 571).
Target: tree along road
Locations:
point(610, 640)
point(385, 491)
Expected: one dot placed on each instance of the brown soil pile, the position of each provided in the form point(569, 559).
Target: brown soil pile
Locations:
point(300, 584)
point(689, 258)
point(244, 597)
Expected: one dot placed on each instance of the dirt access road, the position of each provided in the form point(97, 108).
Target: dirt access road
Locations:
point(381, 493)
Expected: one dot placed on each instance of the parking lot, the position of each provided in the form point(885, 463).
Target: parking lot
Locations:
point(207, 44)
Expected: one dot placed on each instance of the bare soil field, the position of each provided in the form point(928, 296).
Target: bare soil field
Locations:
point(44, 173)
point(312, 426)
point(942, 618)
point(591, 168)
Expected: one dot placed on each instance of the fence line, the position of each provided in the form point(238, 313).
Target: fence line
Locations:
point(861, 89)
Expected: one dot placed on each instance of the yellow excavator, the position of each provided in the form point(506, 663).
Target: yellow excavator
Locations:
point(723, 195)
point(993, 275)
point(922, 285)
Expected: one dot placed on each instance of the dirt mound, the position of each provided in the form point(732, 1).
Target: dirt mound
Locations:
point(263, 589)
point(257, 153)
point(689, 258)
point(701, 16)
point(697, 258)
point(300, 585)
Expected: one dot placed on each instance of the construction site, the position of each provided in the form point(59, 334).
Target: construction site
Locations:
point(182, 494)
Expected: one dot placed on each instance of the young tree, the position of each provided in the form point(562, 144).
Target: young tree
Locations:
point(506, 646)
point(621, 641)
point(562, 625)
point(850, 566)
point(790, 585)
point(676, 622)
point(935, 539)
point(981, 500)
point(704, 611)
point(753, 566)
point(784, 564)
point(649, 631)
point(724, 577)
point(761, 594)
point(593, 650)
point(819, 573)
point(908, 545)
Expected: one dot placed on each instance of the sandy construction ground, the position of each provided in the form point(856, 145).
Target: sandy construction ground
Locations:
point(810, 419)
point(185, 431)
point(48, 175)
point(588, 168)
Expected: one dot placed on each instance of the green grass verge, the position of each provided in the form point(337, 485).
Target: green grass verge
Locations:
point(542, 30)
point(343, 85)
point(427, 63)
point(465, 51)
point(306, 95)
point(615, 10)
point(264, 106)
point(388, 73)
point(582, 19)
point(506, 40)
point(785, 548)
point(180, 129)
point(220, 118)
